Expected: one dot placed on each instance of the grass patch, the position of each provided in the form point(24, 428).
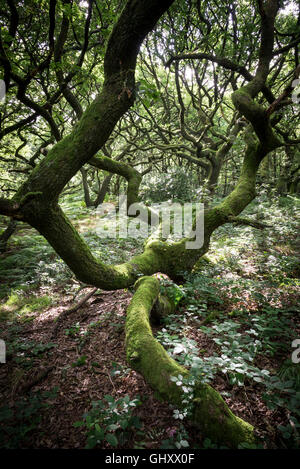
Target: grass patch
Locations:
point(17, 306)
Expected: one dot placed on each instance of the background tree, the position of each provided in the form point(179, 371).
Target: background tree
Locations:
point(52, 73)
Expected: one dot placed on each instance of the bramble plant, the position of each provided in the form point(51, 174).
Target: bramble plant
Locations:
point(110, 420)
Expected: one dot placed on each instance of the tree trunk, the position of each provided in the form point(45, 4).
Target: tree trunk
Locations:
point(103, 190)
point(86, 190)
point(213, 177)
point(7, 233)
point(209, 412)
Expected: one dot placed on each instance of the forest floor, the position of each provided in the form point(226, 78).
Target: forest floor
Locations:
point(237, 317)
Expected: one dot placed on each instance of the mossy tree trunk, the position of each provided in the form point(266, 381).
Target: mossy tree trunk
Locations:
point(209, 412)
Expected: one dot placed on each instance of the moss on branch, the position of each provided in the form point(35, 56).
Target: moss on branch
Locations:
point(147, 356)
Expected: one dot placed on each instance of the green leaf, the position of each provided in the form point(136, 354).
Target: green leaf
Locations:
point(78, 424)
point(113, 427)
point(184, 444)
point(111, 439)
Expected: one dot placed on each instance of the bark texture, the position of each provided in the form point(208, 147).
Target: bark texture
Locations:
point(209, 413)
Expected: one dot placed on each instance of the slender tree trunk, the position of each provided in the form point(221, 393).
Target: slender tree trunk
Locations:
point(213, 177)
point(101, 193)
point(225, 180)
point(7, 233)
point(103, 190)
point(86, 190)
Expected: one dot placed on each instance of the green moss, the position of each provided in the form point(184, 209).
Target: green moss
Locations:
point(214, 418)
point(143, 350)
point(19, 305)
point(144, 354)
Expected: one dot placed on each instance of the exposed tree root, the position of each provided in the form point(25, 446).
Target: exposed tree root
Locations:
point(147, 356)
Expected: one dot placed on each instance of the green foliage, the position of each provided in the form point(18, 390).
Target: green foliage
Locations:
point(19, 421)
point(178, 439)
point(174, 292)
point(181, 348)
point(80, 362)
point(216, 300)
point(147, 93)
point(24, 353)
point(290, 371)
point(236, 356)
point(169, 186)
point(19, 305)
point(284, 393)
point(112, 250)
point(32, 264)
point(118, 370)
point(179, 120)
point(110, 420)
point(73, 330)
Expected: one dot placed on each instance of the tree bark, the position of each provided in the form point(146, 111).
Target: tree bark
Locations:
point(11, 227)
point(209, 413)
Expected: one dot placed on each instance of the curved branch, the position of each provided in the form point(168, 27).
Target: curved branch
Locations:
point(132, 176)
point(8, 207)
point(225, 63)
point(210, 412)
point(116, 97)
